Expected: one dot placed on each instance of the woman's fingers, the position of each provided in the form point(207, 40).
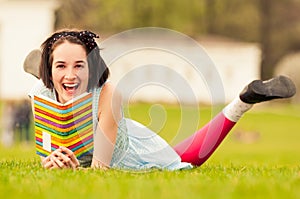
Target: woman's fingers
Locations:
point(49, 163)
point(74, 163)
point(45, 160)
point(57, 162)
point(61, 158)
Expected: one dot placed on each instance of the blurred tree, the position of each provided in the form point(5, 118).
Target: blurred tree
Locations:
point(272, 23)
point(210, 13)
point(265, 39)
point(113, 16)
point(73, 13)
point(233, 18)
point(279, 32)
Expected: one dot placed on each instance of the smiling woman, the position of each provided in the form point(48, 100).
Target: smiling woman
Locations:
point(71, 65)
point(70, 71)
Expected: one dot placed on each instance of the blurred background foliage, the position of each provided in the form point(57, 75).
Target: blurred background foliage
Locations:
point(274, 24)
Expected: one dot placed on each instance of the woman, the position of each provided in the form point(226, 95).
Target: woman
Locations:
point(71, 65)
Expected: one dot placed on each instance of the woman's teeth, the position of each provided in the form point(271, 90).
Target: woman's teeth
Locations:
point(70, 86)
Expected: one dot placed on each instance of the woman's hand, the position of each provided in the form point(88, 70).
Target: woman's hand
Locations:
point(61, 158)
point(96, 164)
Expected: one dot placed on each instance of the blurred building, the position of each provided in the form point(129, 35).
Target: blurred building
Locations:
point(24, 24)
point(159, 65)
point(238, 62)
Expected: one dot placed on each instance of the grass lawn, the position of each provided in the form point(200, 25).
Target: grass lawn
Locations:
point(260, 158)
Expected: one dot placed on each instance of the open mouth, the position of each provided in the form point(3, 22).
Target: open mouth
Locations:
point(70, 87)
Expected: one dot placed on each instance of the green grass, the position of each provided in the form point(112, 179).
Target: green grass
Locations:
point(266, 166)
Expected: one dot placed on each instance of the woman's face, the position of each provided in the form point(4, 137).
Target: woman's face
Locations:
point(70, 71)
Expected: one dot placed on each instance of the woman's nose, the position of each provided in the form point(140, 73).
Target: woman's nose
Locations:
point(70, 75)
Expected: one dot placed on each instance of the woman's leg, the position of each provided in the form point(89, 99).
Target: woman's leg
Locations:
point(198, 148)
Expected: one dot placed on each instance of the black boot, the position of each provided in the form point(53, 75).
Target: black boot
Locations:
point(275, 88)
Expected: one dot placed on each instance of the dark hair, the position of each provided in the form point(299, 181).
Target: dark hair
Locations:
point(98, 70)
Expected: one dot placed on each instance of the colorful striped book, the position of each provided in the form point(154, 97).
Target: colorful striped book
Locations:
point(69, 125)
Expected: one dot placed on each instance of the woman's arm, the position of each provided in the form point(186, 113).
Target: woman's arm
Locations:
point(109, 114)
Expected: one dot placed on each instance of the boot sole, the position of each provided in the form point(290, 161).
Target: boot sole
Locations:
point(278, 87)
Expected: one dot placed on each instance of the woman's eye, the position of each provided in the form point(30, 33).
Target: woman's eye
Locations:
point(60, 66)
point(79, 66)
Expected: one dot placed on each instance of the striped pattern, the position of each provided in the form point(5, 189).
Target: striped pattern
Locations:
point(68, 125)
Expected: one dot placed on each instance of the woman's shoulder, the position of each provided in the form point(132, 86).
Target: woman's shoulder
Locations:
point(110, 99)
point(40, 89)
point(109, 91)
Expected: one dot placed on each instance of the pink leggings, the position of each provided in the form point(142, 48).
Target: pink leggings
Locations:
point(198, 147)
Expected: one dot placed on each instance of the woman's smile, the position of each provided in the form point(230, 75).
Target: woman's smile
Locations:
point(70, 87)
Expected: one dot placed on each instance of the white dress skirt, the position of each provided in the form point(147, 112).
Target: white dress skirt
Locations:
point(145, 150)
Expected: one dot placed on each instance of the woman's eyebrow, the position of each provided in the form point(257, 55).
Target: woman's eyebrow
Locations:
point(80, 61)
point(62, 62)
point(59, 62)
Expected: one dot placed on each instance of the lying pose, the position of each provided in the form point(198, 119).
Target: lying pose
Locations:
point(71, 65)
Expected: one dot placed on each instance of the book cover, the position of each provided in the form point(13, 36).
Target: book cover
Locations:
point(69, 125)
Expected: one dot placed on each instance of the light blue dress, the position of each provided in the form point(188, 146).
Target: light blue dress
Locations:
point(136, 147)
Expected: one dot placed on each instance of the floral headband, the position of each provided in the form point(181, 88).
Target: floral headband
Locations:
point(85, 37)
